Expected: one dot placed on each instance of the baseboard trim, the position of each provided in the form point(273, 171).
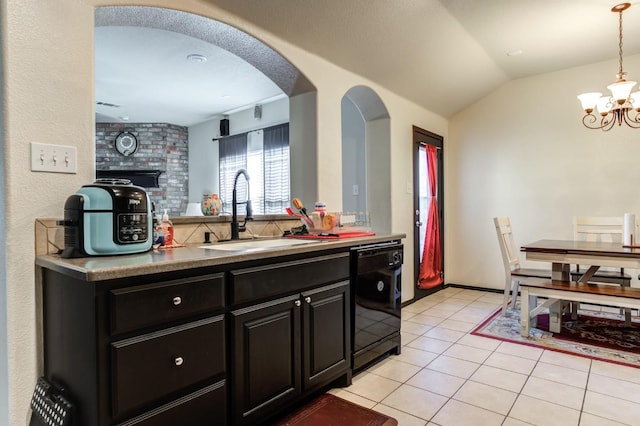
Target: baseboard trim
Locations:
point(463, 286)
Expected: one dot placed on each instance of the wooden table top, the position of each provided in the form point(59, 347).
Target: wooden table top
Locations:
point(592, 248)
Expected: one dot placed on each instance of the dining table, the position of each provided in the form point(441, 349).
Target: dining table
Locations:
point(563, 253)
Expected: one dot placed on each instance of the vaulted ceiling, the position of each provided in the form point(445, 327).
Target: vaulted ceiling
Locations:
point(441, 54)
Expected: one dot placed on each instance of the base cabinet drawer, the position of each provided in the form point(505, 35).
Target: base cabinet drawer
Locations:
point(152, 366)
point(145, 305)
point(207, 406)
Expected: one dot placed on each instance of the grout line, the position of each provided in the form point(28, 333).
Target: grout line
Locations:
point(538, 361)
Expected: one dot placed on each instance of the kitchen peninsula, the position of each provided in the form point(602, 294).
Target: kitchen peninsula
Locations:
point(197, 335)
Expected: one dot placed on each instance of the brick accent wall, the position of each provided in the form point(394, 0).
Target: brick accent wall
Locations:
point(161, 146)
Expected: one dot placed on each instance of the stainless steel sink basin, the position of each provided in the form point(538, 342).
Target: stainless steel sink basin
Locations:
point(253, 245)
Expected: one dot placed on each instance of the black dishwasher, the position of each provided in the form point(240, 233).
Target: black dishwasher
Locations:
point(376, 301)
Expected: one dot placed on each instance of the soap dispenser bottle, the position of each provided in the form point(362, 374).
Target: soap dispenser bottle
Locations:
point(167, 228)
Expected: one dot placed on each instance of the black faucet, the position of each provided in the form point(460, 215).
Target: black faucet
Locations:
point(236, 228)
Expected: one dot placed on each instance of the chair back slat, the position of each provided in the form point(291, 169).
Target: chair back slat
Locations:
point(601, 229)
point(510, 257)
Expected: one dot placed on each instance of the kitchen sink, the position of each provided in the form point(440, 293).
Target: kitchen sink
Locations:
point(252, 245)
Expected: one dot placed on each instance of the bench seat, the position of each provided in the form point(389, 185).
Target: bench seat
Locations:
point(556, 291)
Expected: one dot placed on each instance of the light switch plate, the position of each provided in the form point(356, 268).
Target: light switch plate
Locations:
point(53, 158)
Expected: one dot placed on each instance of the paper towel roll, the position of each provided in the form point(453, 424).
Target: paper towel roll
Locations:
point(629, 229)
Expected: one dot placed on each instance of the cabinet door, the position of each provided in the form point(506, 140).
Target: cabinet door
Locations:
point(327, 339)
point(266, 358)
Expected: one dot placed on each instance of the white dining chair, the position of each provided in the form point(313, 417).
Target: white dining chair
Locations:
point(606, 229)
point(513, 272)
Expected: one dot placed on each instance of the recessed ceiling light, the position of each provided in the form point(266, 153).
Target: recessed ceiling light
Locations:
point(225, 96)
point(123, 118)
point(515, 52)
point(196, 57)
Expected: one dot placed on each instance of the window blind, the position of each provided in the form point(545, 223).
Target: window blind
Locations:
point(265, 155)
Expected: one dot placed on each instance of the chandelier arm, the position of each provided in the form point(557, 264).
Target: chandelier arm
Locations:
point(633, 122)
point(590, 120)
point(607, 124)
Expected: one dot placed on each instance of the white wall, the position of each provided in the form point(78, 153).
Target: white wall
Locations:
point(379, 176)
point(4, 361)
point(204, 164)
point(354, 151)
point(203, 151)
point(523, 152)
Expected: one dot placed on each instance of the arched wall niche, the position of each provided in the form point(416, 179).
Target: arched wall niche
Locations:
point(301, 92)
point(366, 156)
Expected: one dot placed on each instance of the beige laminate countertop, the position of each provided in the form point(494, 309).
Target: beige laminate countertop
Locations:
point(101, 268)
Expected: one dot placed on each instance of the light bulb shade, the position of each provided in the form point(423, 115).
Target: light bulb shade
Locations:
point(620, 91)
point(604, 105)
point(589, 100)
point(635, 100)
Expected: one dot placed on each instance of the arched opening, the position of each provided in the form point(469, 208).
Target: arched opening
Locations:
point(366, 156)
point(294, 85)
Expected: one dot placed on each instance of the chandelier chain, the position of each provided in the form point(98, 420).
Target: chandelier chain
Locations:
point(620, 72)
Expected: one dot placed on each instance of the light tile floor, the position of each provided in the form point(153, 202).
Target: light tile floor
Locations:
point(446, 376)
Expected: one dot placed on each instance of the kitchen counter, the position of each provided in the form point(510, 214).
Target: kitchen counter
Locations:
point(188, 257)
point(177, 336)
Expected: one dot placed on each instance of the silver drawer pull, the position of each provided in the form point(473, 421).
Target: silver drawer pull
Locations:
point(179, 361)
point(177, 300)
point(307, 299)
point(298, 303)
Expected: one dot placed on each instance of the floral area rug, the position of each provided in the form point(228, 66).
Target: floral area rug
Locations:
point(596, 335)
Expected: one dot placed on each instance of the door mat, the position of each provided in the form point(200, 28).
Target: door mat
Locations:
point(329, 410)
point(596, 335)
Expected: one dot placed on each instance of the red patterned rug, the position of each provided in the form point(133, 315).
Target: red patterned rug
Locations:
point(329, 410)
point(595, 335)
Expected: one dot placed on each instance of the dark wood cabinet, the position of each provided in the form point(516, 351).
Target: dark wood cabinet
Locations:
point(266, 369)
point(138, 351)
point(230, 344)
point(326, 331)
point(149, 367)
point(273, 365)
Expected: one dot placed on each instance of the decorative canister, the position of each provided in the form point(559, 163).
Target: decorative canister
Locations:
point(211, 205)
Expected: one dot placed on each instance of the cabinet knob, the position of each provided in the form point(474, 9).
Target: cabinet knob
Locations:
point(179, 361)
point(307, 299)
point(177, 300)
point(298, 303)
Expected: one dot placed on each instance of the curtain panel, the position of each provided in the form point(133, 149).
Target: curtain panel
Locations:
point(269, 178)
point(276, 169)
point(431, 265)
point(233, 156)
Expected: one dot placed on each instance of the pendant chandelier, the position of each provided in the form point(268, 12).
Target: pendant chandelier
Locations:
point(622, 106)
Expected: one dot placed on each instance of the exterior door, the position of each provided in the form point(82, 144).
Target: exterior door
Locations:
point(422, 198)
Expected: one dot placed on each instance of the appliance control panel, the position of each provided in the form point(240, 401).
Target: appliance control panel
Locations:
point(132, 228)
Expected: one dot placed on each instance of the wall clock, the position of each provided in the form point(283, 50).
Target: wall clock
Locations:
point(126, 143)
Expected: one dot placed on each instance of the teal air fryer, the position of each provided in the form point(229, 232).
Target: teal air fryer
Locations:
point(108, 217)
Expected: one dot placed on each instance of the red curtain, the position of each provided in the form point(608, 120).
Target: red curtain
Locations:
point(430, 267)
